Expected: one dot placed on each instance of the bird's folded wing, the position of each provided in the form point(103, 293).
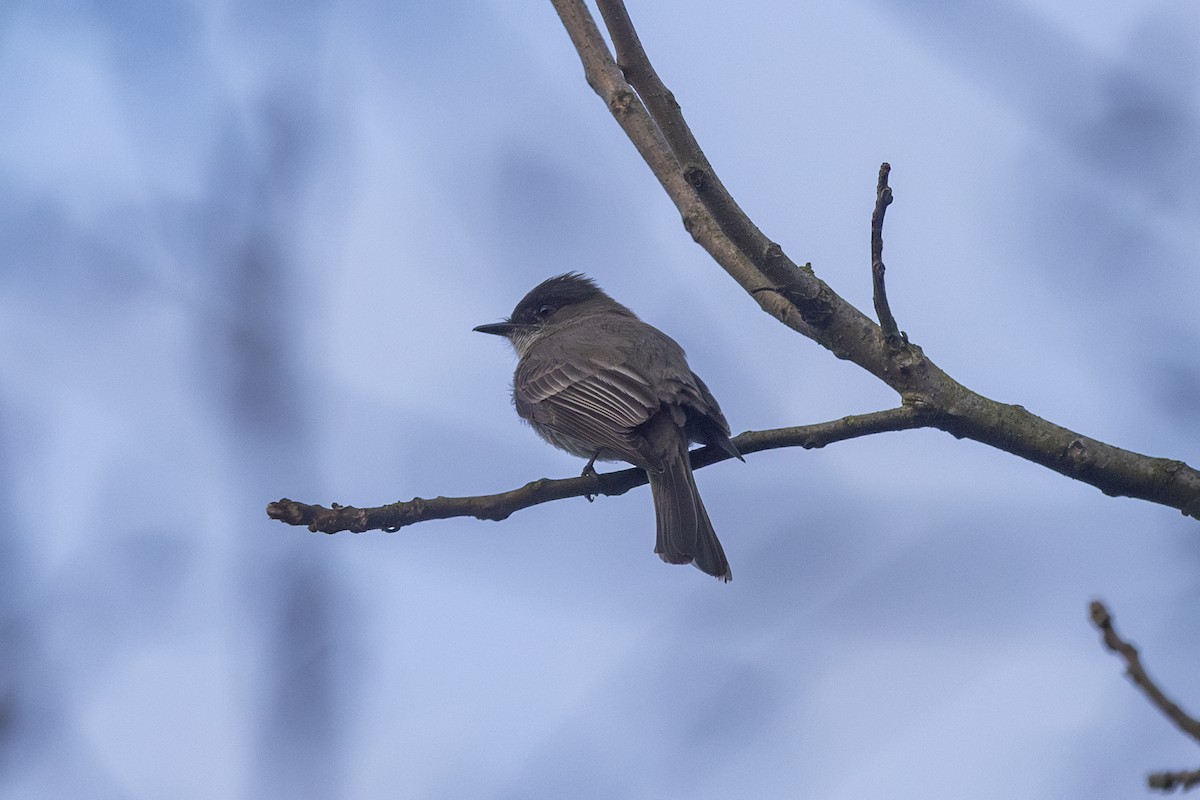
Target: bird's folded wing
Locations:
point(591, 402)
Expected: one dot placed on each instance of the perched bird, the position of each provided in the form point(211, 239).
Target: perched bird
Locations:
point(596, 381)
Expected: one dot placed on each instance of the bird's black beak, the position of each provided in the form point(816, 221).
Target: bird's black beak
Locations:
point(496, 328)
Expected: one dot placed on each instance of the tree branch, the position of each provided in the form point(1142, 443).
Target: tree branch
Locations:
point(392, 517)
point(653, 121)
point(805, 294)
point(1166, 781)
point(607, 80)
point(1170, 781)
point(650, 116)
point(883, 199)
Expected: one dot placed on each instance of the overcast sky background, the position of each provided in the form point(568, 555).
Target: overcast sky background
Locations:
point(244, 245)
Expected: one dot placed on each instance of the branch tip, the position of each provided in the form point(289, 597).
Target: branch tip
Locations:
point(1170, 781)
point(1103, 620)
point(883, 199)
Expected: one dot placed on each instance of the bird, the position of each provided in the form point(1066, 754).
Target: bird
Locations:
point(596, 381)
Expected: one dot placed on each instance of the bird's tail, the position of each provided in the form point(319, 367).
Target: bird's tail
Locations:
point(685, 534)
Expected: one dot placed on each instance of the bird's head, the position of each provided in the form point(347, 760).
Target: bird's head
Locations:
point(553, 301)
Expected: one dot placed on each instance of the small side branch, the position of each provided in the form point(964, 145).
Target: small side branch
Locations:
point(394, 516)
point(1170, 781)
point(883, 199)
point(1165, 781)
point(1137, 673)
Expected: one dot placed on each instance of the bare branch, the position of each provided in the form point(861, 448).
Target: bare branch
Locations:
point(647, 135)
point(499, 506)
point(1165, 781)
point(798, 285)
point(1170, 781)
point(1137, 673)
point(883, 199)
point(796, 297)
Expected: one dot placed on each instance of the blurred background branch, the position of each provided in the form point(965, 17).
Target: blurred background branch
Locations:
point(1166, 781)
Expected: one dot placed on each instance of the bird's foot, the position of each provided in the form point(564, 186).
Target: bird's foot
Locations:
point(589, 471)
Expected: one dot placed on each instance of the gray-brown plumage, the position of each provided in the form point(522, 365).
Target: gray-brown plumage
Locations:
point(596, 381)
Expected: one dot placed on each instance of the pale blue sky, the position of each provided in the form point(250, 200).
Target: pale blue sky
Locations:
point(244, 248)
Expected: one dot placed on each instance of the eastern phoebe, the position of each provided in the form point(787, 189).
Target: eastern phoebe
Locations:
point(596, 381)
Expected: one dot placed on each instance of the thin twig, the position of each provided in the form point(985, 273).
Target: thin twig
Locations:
point(883, 199)
point(1137, 673)
point(1166, 781)
point(1170, 781)
point(392, 517)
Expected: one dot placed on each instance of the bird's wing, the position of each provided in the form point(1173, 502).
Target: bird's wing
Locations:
point(596, 405)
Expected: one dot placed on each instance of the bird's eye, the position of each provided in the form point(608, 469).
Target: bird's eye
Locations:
point(545, 311)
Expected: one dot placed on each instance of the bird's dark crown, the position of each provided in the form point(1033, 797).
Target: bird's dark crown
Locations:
point(553, 294)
